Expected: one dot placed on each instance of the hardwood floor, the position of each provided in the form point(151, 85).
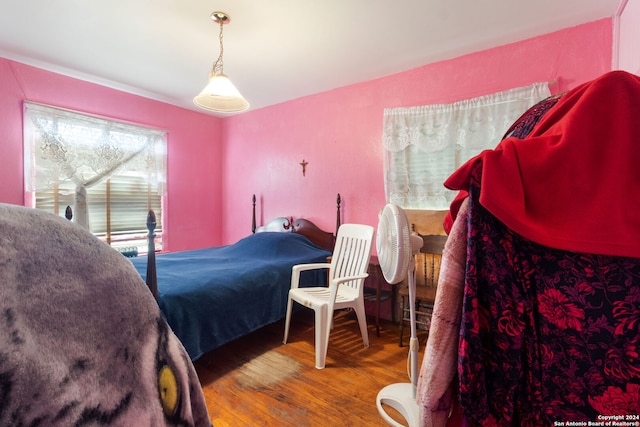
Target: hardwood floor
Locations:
point(258, 381)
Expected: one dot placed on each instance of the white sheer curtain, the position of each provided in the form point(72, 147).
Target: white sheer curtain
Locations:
point(424, 145)
point(63, 146)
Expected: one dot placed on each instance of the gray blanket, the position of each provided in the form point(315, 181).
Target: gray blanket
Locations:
point(82, 341)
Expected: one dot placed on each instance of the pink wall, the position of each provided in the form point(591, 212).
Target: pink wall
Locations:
point(192, 209)
point(628, 58)
point(338, 132)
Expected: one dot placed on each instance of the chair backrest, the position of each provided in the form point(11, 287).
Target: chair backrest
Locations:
point(351, 253)
point(428, 260)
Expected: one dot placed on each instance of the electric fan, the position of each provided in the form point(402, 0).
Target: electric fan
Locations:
point(396, 248)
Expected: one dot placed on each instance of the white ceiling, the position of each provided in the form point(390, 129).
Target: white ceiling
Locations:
point(274, 51)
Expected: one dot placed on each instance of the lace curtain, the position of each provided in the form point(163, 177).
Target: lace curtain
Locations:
point(424, 145)
point(63, 146)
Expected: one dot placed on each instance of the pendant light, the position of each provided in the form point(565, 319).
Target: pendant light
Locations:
point(220, 94)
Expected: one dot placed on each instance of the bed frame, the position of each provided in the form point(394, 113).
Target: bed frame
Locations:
point(315, 234)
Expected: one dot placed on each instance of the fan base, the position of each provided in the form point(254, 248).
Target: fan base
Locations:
point(401, 398)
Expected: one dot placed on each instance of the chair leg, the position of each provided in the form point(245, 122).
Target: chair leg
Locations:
point(287, 321)
point(322, 335)
point(362, 322)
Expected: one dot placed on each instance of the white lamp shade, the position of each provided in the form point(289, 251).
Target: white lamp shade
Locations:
point(221, 95)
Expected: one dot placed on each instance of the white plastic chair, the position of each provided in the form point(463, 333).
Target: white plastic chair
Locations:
point(347, 271)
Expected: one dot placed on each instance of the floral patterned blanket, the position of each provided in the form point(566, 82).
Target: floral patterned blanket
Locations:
point(548, 326)
point(547, 335)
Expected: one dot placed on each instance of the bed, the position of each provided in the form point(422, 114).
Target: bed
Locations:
point(214, 295)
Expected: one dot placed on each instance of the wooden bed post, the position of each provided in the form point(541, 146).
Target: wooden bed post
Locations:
point(253, 221)
point(338, 201)
point(152, 280)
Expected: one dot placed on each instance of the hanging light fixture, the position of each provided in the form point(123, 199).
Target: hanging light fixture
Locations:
point(220, 94)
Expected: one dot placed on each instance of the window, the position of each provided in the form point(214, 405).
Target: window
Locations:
point(424, 145)
point(111, 173)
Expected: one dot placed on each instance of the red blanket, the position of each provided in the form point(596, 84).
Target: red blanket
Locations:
point(574, 182)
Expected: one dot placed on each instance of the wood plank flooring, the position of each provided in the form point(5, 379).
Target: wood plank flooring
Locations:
point(258, 381)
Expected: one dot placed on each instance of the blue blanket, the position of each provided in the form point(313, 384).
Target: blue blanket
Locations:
point(212, 296)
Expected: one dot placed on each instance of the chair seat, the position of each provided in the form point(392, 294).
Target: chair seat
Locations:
point(318, 296)
point(423, 293)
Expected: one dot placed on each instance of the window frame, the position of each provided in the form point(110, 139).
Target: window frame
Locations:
point(118, 200)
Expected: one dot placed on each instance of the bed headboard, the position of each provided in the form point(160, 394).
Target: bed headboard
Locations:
point(319, 237)
point(324, 239)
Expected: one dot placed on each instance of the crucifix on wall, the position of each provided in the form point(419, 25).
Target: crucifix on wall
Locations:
point(304, 164)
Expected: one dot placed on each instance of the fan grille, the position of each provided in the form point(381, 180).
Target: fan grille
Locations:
point(393, 244)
